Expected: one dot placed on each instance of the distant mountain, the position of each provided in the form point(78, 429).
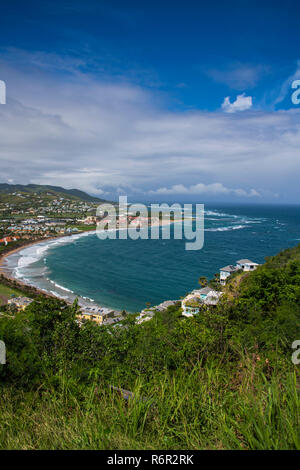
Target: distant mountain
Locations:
point(57, 191)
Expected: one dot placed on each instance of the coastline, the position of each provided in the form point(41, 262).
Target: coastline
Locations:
point(21, 284)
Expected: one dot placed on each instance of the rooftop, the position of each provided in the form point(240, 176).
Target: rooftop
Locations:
point(230, 268)
point(245, 261)
point(205, 290)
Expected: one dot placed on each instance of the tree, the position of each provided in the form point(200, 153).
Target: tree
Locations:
point(202, 281)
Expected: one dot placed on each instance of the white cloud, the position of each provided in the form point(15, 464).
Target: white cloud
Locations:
point(106, 137)
point(242, 103)
point(206, 189)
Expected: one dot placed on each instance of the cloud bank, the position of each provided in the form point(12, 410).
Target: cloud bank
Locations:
point(107, 137)
point(210, 189)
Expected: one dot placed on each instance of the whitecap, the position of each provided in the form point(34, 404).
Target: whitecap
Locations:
point(225, 229)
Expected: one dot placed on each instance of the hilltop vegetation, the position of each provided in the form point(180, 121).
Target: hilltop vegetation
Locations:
point(21, 206)
point(19, 202)
point(6, 191)
point(221, 380)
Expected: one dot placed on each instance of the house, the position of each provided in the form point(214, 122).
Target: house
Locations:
point(193, 302)
point(226, 272)
point(165, 305)
point(145, 315)
point(94, 316)
point(20, 302)
point(91, 220)
point(109, 321)
point(148, 313)
point(242, 264)
point(8, 240)
point(246, 265)
point(98, 315)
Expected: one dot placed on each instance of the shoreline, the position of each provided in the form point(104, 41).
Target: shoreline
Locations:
point(39, 291)
point(23, 284)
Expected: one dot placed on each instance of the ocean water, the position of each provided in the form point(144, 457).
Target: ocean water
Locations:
point(127, 274)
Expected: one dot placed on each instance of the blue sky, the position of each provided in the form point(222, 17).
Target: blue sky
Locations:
point(158, 100)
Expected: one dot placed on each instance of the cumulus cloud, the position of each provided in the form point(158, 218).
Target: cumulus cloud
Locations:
point(106, 137)
point(242, 103)
point(206, 189)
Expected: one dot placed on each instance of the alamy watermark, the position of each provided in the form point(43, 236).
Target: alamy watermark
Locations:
point(2, 92)
point(138, 221)
point(296, 354)
point(2, 352)
point(296, 93)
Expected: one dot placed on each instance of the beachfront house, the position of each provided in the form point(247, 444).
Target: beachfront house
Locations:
point(98, 315)
point(192, 303)
point(20, 302)
point(226, 272)
point(242, 264)
point(246, 265)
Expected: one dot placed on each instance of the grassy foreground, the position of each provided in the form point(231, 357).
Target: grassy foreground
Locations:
point(221, 380)
point(199, 411)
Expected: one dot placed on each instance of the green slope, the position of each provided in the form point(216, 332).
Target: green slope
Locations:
point(57, 191)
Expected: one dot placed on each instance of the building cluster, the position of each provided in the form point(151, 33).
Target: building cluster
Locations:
point(39, 227)
point(19, 302)
point(100, 315)
point(207, 296)
point(242, 264)
point(6, 240)
point(148, 313)
point(193, 302)
point(46, 203)
point(129, 221)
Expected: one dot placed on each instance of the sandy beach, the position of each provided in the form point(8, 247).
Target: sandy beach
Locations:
point(18, 282)
point(6, 273)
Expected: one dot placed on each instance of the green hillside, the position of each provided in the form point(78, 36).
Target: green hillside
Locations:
point(7, 190)
point(223, 379)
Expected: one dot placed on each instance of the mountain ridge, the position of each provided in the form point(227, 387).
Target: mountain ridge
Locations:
point(6, 188)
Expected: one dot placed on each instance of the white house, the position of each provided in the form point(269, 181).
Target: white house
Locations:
point(226, 272)
point(193, 302)
point(246, 265)
point(243, 264)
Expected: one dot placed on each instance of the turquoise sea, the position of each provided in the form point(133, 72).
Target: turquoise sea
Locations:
point(126, 274)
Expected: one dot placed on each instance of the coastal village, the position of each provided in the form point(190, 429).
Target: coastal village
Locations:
point(207, 296)
point(191, 304)
point(29, 215)
point(35, 216)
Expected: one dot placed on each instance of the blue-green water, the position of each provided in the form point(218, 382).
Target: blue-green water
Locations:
point(126, 274)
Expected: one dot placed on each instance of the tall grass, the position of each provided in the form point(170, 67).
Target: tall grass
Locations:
point(199, 410)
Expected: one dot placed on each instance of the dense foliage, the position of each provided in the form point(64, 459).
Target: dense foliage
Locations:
point(222, 379)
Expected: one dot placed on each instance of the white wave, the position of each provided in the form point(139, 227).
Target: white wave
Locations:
point(225, 229)
point(26, 260)
point(33, 253)
point(251, 221)
point(220, 214)
point(64, 297)
point(88, 298)
point(61, 287)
